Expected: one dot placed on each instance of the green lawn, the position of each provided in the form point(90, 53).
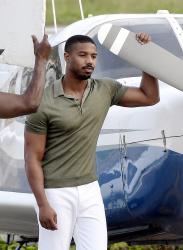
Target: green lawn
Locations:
point(68, 11)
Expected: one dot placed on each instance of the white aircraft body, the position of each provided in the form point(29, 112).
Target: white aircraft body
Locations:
point(139, 158)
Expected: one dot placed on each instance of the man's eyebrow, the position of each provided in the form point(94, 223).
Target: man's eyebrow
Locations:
point(82, 51)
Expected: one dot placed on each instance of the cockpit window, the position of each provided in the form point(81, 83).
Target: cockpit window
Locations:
point(110, 65)
point(180, 21)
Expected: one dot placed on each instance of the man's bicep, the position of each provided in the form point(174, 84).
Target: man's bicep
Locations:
point(34, 145)
point(134, 97)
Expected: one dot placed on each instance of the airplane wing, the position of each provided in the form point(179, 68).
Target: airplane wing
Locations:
point(150, 58)
point(19, 20)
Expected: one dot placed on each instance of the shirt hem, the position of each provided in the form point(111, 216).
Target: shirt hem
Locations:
point(70, 181)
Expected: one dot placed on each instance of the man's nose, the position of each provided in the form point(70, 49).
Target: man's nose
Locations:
point(89, 60)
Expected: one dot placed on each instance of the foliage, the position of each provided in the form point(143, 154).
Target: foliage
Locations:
point(116, 246)
point(4, 246)
point(68, 11)
point(124, 246)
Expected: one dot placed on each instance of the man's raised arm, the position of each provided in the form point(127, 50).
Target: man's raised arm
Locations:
point(12, 105)
point(148, 92)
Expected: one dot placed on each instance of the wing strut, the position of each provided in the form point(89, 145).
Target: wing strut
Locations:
point(81, 9)
point(54, 16)
point(19, 246)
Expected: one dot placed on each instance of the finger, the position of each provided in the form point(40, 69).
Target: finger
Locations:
point(47, 225)
point(55, 220)
point(142, 37)
point(34, 39)
point(149, 39)
point(138, 35)
point(45, 37)
point(53, 225)
point(146, 38)
point(43, 224)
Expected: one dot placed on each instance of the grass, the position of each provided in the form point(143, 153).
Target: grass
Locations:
point(68, 11)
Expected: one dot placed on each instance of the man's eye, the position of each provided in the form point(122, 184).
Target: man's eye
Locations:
point(82, 55)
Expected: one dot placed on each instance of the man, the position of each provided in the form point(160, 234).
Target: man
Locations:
point(60, 144)
point(12, 105)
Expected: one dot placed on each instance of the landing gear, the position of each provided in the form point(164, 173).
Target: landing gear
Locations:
point(21, 240)
point(19, 246)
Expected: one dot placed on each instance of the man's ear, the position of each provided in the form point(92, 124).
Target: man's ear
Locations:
point(66, 56)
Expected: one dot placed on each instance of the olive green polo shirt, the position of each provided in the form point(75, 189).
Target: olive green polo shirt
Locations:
point(72, 130)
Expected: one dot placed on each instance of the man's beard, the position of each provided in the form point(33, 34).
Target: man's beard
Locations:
point(84, 77)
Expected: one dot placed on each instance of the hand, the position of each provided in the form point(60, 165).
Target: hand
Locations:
point(48, 218)
point(42, 49)
point(143, 38)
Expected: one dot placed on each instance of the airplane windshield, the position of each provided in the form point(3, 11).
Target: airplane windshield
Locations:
point(180, 21)
point(110, 65)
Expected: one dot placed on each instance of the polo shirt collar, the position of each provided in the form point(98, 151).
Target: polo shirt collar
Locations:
point(58, 88)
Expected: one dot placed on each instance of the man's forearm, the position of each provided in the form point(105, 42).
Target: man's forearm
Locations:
point(33, 94)
point(47, 216)
point(36, 181)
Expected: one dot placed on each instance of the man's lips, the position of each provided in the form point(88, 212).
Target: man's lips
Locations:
point(88, 69)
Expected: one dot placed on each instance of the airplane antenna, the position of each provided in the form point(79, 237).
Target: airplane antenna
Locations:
point(81, 9)
point(54, 16)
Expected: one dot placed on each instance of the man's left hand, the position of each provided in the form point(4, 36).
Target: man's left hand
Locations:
point(143, 38)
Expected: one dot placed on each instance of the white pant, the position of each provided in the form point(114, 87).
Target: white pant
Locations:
point(80, 214)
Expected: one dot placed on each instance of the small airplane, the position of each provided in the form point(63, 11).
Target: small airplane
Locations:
point(139, 156)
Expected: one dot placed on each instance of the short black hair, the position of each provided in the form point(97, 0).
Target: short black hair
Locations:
point(77, 39)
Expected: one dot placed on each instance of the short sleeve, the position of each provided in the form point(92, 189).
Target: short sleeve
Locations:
point(37, 123)
point(116, 89)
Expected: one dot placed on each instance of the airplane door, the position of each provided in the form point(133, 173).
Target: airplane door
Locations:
point(109, 168)
point(153, 185)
